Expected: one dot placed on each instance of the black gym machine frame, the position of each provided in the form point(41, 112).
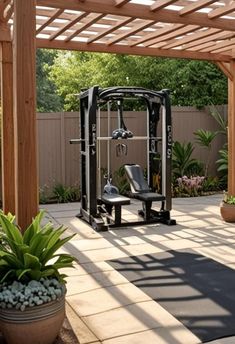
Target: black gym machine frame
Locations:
point(96, 209)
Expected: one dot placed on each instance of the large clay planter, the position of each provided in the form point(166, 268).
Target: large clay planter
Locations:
point(227, 212)
point(36, 325)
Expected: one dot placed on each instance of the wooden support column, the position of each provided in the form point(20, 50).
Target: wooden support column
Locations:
point(24, 90)
point(7, 129)
point(231, 130)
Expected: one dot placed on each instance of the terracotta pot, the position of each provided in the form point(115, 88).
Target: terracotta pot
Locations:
point(227, 212)
point(36, 325)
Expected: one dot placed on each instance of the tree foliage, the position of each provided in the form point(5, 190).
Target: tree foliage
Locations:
point(191, 82)
point(47, 98)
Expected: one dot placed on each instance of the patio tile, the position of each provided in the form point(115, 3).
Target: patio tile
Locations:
point(91, 244)
point(81, 331)
point(101, 255)
point(137, 250)
point(96, 267)
point(224, 254)
point(105, 299)
point(180, 244)
point(155, 237)
point(84, 283)
point(65, 213)
point(161, 335)
point(130, 319)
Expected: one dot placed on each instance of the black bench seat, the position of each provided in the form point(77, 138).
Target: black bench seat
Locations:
point(117, 201)
point(149, 196)
point(114, 199)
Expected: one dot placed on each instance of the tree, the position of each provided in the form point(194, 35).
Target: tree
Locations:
point(195, 83)
point(47, 98)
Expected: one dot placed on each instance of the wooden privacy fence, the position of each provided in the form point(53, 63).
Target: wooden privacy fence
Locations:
point(59, 160)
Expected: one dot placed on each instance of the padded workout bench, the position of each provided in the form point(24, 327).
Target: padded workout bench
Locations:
point(142, 192)
point(116, 201)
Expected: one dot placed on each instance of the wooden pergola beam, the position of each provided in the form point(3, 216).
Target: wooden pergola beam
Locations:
point(24, 92)
point(49, 21)
point(161, 4)
point(123, 49)
point(112, 29)
point(119, 3)
point(218, 12)
point(158, 33)
point(130, 32)
point(5, 33)
point(176, 33)
point(231, 130)
point(225, 68)
point(7, 129)
point(195, 6)
point(84, 26)
point(141, 12)
point(194, 39)
point(3, 5)
point(68, 25)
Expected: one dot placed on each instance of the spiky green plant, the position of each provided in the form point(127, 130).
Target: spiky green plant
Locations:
point(205, 138)
point(182, 161)
point(33, 254)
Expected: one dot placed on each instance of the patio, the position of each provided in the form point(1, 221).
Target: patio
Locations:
point(102, 305)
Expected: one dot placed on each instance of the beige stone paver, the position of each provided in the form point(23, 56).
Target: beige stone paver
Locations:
point(179, 244)
point(91, 244)
point(83, 230)
point(81, 331)
point(224, 254)
point(131, 319)
point(174, 335)
point(104, 299)
point(98, 255)
point(83, 283)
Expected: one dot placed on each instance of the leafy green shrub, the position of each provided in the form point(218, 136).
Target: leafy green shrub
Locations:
point(32, 255)
point(230, 199)
point(211, 184)
point(64, 194)
point(44, 194)
point(205, 138)
point(223, 164)
point(182, 161)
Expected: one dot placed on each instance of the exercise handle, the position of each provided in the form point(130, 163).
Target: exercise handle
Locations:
point(76, 141)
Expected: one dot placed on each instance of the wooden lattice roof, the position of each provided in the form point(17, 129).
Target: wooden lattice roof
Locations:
point(199, 29)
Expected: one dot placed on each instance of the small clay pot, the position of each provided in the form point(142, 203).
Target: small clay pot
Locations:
point(227, 212)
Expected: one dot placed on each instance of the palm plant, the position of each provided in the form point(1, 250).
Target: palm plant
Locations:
point(182, 161)
point(223, 164)
point(205, 138)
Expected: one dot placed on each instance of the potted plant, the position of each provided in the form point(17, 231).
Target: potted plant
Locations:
point(32, 290)
point(227, 208)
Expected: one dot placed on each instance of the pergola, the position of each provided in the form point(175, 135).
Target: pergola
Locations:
point(193, 29)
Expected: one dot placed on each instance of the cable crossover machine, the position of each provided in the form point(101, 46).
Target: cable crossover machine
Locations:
point(101, 207)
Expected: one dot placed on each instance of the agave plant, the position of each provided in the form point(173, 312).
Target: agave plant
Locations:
point(31, 255)
point(223, 164)
point(182, 161)
point(205, 138)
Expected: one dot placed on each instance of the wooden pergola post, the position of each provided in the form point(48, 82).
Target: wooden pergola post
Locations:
point(7, 129)
point(24, 91)
point(231, 130)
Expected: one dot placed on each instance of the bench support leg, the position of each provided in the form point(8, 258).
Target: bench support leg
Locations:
point(118, 214)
